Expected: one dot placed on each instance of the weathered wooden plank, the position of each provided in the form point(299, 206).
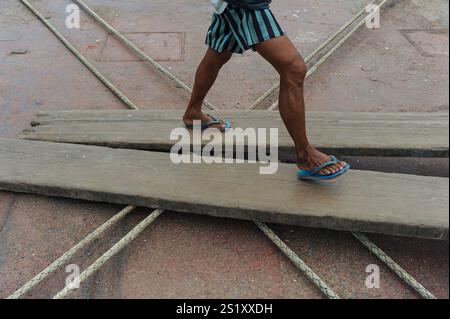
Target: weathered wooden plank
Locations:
point(354, 134)
point(359, 201)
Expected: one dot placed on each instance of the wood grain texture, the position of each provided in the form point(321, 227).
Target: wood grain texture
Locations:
point(392, 204)
point(349, 134)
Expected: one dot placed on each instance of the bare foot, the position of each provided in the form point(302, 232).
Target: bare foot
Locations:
point(192, 115)
point(311, 158)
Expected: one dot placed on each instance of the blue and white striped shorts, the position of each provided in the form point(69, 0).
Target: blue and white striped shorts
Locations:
point(238, 30)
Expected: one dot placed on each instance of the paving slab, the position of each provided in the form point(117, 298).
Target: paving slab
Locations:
point(351, 134)
point(37, 232)
point(360, 201)
point(53, 225)
point(203, 257)
point(418, 258)
point(161, 46)
point(308, 23)
point(341, 261)
point(242, 247)
point(400, 67)
point(46, 75)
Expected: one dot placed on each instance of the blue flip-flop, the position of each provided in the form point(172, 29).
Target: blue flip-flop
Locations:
point(315, 173)
point(214, 121)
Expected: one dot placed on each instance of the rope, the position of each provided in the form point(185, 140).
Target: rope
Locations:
point(141, 54)
point(61, 261)
point(138, 229)
point(291, 255)
point(266, 230)
point(316, 52)
point(332, 50)
point(80, 57)
point(396, 268)
point(297, 261)
point(380, 254)
point(128, 238)
point(138, 51)
point(27, 287)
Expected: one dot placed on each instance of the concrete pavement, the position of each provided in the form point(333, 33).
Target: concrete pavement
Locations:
point(195, 256)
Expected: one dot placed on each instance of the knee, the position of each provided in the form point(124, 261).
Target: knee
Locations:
point(219, 59)
point(294, 71)
point(224, 58)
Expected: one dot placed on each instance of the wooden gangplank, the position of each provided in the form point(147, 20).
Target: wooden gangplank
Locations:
point(363, 201)
point(339, 133)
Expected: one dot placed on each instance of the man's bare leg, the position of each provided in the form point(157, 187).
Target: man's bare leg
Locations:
point(205, 77)
point(284, 57)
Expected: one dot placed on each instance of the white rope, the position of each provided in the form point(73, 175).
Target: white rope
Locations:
point(341, 32)
point(380, 254)
point(266, 230)
point(122, 97)
point(27, 287)
point(80, 57)
point(138, 51)
point(128, 238)
point(396, 268)
point(61, 261)
point(129, 44)
point(138, 229)
point(332, 50)
point(297, 261)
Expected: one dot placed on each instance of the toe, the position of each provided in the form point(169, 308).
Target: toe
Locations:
point(331, 170)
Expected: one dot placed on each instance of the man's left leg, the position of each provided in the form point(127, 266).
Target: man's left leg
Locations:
point(205, 77)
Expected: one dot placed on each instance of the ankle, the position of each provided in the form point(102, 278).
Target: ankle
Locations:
point(193, 113)
point(304, 153)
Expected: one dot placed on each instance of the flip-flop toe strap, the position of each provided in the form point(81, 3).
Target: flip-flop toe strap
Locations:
point(333, 160)
point(210, 123)
point(216, 121)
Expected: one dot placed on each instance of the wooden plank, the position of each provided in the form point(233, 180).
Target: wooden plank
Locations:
point(359, 201)
point(344, 134)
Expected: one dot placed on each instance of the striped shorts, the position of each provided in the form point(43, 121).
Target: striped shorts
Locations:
point(238, 30)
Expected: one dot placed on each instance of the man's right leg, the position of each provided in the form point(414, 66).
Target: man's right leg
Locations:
point(205, 77)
